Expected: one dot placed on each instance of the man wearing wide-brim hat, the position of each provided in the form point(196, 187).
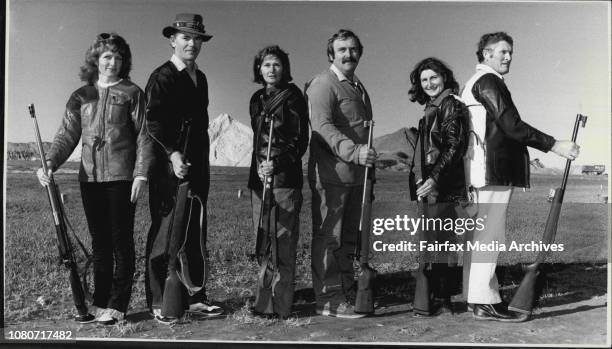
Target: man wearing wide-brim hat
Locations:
point(177, 102)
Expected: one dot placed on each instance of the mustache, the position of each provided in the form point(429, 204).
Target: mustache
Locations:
point(349, 59)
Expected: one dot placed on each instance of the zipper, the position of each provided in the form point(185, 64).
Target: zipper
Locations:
point(103, 135)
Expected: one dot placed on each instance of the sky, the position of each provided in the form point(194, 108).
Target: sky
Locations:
point(561, 63)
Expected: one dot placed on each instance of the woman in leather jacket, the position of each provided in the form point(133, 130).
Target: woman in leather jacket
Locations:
point(439, 175)
point(282, 103)
point(107, 115)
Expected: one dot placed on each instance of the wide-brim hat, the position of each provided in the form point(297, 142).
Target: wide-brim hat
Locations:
point(189, 23)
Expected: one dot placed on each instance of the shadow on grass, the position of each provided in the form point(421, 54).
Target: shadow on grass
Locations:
point(558, 284)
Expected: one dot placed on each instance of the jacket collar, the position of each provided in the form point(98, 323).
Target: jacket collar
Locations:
point(180, 65)
point(487, 69)
point(436, 102)
point(106, 85)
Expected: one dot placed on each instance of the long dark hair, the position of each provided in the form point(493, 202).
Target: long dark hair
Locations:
point(277, 52)
point(106, 42)
point(416, 92)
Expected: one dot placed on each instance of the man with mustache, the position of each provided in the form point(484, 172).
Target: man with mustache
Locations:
point(339, 105)
point(496, 161)
point(177, 95)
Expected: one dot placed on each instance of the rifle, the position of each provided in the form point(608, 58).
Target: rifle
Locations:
point(66, 252)
point(524, 298)
point(179, 225)
point(266, 238)
point(364, 301)
point(262, 234)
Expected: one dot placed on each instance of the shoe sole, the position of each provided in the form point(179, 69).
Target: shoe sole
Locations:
point(491, 318)
point(340, 316)
point(88, 319)
point(199, 313)
point(166, 322)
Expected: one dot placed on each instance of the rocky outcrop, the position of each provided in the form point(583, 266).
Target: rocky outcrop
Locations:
point(231, 142)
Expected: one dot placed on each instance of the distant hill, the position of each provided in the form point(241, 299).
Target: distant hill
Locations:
point(396, 149)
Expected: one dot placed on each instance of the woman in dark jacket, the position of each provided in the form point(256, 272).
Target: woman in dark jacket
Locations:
point(283, 104)
point(107, 115)
point(439, 175)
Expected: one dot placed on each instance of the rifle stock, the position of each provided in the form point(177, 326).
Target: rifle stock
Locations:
point(66, 253)
point(364, 301)
point(525, 297)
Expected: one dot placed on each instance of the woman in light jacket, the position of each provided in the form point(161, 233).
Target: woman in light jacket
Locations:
point(107, 114)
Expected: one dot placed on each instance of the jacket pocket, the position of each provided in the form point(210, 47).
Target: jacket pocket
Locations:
point(119, 110)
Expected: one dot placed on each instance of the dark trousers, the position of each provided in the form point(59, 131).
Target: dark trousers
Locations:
point(335, 224)
point(110, 217)
point(160, 203)
point(289, 202)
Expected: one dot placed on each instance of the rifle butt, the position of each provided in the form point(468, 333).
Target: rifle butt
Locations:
point(364, 301)
point(172, 304)
point(524, 298)
point(421, 302)
point(78, 295)
point(263, 299)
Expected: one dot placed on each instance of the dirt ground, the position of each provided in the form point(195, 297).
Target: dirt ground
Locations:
point(578, 317)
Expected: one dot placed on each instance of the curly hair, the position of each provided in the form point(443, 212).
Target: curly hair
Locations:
point(106, 42)
point(342, 34)
point(491, 38)
point(416, 92)
point(277, 52)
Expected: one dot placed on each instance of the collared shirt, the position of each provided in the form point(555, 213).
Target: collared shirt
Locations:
point(180, 66)
point(487, 69)
point(354, 82)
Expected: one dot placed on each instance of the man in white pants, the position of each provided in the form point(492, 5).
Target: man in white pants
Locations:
point(496, 161)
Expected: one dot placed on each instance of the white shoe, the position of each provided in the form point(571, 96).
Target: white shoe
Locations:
point(97, 311)
point(110, 316)
point(202, 308)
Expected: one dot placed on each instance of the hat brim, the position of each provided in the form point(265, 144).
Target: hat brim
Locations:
point(168, 31)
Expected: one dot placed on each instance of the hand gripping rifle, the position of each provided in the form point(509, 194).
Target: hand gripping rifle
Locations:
point(180, 223)
point(524, 298)
point(66, 252)
point(364, 301)
point(267, 249)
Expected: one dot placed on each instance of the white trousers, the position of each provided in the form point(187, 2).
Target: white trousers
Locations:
point(480, 285)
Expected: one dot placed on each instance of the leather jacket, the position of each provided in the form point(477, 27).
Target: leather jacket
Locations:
point(441, 146)
point(290, 137)
point(506, 136)
point(110, 123)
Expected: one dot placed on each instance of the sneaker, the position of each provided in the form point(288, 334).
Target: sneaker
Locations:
point(85, 319)
point(97, 311)
point(110, 316)
point(205, 309)
point(344, 311)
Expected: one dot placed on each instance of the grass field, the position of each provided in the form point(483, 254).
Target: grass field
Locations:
point(31, 269)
